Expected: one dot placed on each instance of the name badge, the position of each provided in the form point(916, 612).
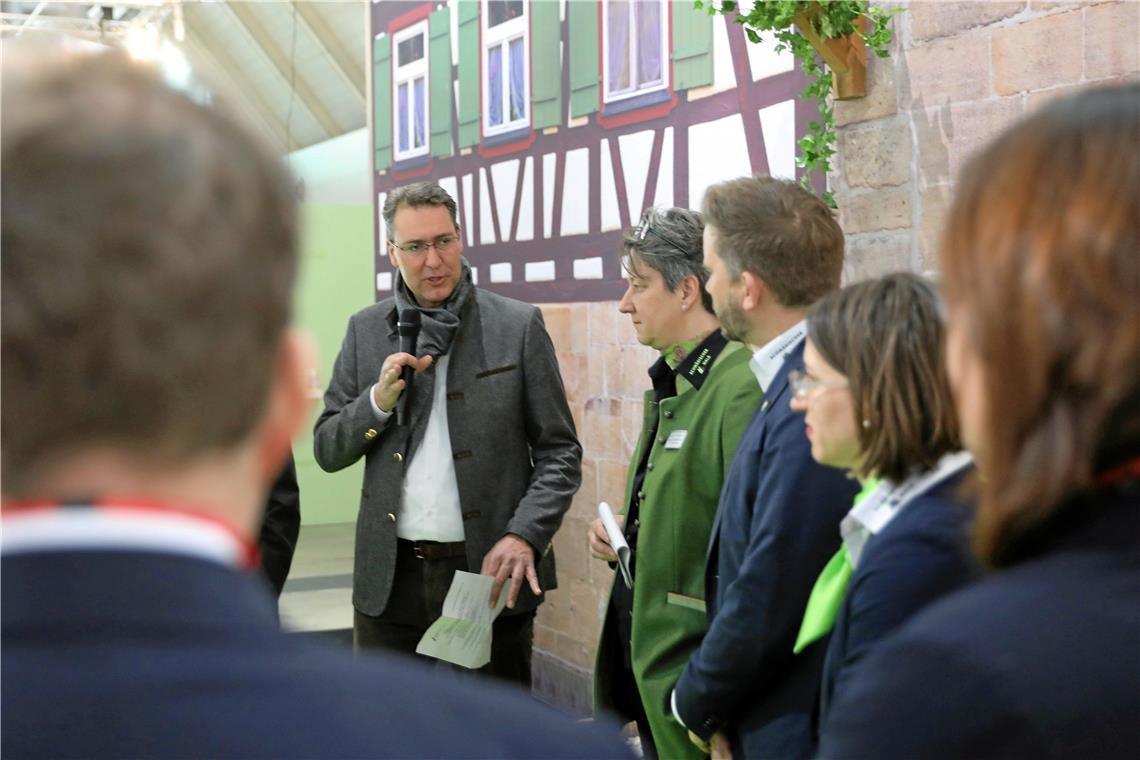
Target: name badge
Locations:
point(675, 439)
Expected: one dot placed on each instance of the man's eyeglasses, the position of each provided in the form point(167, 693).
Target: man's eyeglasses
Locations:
point(442, 244)
point(803, 384)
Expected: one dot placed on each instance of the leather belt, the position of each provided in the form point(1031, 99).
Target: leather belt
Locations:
point(433, 549)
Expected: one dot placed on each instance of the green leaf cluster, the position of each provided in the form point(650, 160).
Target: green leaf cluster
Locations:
point(832, 19)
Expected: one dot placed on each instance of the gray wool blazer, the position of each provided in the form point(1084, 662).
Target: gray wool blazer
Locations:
point(517, 457)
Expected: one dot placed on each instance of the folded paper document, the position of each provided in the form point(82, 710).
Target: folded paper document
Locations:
point(617, 541)
point(463, 634)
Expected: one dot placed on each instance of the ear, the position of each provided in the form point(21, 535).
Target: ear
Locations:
point(690, 288)
point(287, 408)
point(755, 291)
point(392, 255)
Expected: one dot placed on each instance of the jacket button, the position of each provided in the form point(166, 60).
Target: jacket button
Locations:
point(649, 466)
point(668, 414)
point(370, 434)
point(661, 439)
point(397, 457)
point(641, 495)
point(391, 517)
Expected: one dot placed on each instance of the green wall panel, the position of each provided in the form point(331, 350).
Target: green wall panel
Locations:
point(441, 85)
point(467, 15)
point(692, 46)
point(336, 281)
point(584, 74)
point(382, 100)
point(546, 64)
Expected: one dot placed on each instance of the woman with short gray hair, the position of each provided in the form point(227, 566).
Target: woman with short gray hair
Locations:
point(701, 400)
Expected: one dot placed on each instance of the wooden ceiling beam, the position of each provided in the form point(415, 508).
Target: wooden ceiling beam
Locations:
point(247, 96)
point(309, 98)
point(348, 66)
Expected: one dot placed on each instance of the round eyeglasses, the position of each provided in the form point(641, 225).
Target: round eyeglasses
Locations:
point(803, 384)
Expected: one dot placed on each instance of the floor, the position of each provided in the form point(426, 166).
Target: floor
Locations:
point(318, 594)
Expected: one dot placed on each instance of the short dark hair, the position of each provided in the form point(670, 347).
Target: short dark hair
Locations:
point(887, 337)
point(779, 232)
point(1042, 275)
point(415, 195)
point(671, 242)
point(149, 259)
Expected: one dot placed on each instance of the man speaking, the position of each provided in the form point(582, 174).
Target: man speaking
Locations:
point(477, 469)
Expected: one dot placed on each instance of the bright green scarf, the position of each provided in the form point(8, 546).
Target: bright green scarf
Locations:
point(829, 590)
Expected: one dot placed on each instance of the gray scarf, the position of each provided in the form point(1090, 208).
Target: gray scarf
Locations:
point(437, 330)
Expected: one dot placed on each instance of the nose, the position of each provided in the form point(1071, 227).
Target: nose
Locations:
point(432, 259)
point(625, 305)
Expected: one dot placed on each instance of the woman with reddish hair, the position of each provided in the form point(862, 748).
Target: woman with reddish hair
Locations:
point(1041, 268)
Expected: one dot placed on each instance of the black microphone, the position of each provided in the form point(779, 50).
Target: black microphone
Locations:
point(409, 329)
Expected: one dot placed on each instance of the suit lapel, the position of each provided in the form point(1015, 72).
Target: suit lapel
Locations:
point(775, 394)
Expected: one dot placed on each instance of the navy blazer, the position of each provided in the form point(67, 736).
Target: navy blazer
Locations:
point(132, 654)
point(922, 554)
point(1041, 660)
point(776, 527)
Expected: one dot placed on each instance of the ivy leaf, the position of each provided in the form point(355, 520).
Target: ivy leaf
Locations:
point(727, 6)
point(755, 38)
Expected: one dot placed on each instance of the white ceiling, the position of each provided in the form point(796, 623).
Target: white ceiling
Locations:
point(297, 68)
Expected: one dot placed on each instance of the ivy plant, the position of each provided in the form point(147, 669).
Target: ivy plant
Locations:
point(832, 19)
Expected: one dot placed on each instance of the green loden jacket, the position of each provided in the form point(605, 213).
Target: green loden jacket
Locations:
point(697, 434)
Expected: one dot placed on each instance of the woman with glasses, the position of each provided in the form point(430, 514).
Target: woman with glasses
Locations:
point(703, 395)
point(1041, 266)
point(877, 403)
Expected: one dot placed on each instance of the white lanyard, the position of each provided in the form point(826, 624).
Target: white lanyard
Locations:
point(872, 514)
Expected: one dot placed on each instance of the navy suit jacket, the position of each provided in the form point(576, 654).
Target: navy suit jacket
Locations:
point(776, 526)
point(922, 554)
point(1041, 660)
point(132, 654)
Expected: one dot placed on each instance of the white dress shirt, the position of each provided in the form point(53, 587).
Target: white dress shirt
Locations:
point(429, 503)
point(767, 359)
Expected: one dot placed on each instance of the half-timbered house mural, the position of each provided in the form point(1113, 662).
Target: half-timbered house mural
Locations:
point(554, 123)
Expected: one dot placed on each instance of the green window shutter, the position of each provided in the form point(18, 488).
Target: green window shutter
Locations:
point(439, 63)
point(546, 65)
point(692, 46)
point(584, 74)
point(382, 100)
point(469, 107)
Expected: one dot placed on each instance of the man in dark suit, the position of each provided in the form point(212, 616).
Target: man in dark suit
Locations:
point(280, 527)
point(486, 463)
point(152, 387)
point(772, 249)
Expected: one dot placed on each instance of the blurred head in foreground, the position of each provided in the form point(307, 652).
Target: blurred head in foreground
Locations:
point(1041, 265)
point(149, 258)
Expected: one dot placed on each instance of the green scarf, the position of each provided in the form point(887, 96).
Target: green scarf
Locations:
point(829, 590)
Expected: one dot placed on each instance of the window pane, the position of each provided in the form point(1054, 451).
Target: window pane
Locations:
point(500, 11)
point(411, 49)
point(518, 97)
point(648, 43)
point(419, 85)
point(403, 117)
point(618, 44)
point(495, 86)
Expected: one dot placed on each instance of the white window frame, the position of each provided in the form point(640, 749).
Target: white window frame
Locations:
point(502, 35)
point(611, 97)
point(405, 75)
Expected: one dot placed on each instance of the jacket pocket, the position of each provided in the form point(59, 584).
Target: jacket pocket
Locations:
point(683, 600)
point(496, 371)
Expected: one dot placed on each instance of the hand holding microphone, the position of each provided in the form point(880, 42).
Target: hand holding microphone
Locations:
point(399, 368)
